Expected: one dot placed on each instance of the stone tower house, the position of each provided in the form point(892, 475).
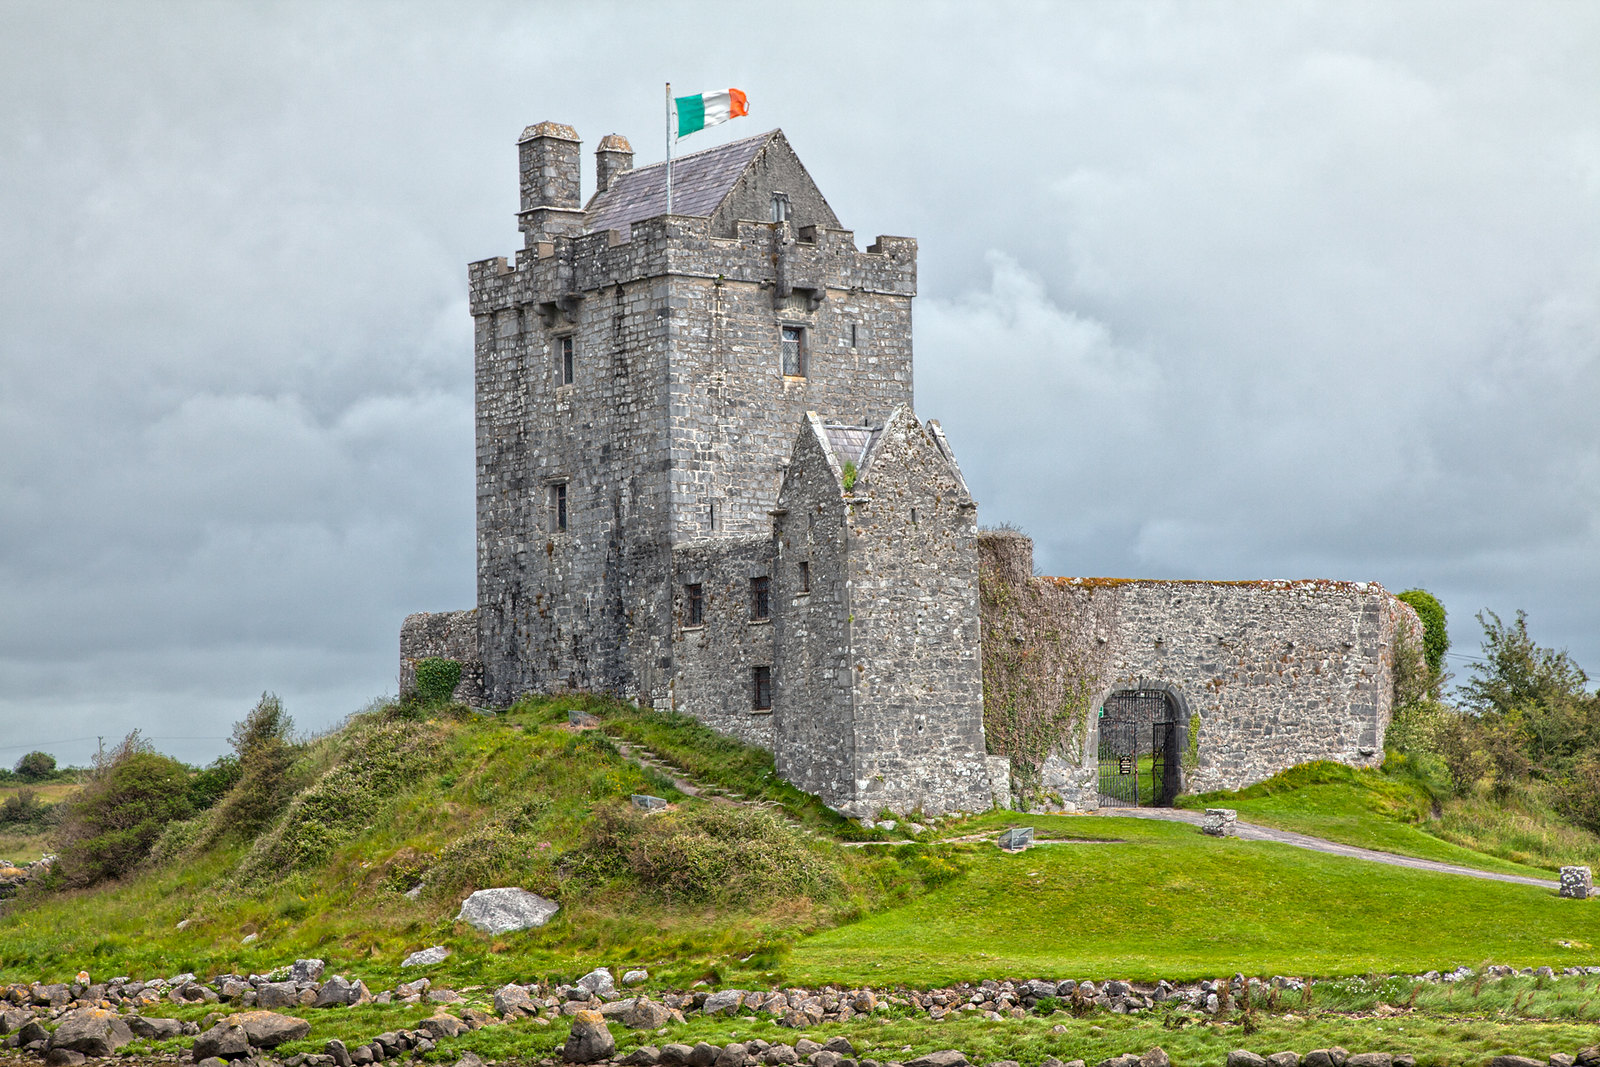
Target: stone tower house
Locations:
point(700, 486)
point(641, 380)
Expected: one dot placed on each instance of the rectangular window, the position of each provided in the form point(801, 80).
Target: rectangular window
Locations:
point(761, 690)
point(558, 507)
point(805, 577)
point(794, 352)
point(852, 335)
point(760, 597)
point(564, 348)
point(695, 604)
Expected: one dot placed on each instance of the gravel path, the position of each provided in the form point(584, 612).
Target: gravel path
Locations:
point(1253, 832)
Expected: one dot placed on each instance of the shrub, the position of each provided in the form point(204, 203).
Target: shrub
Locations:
point(437, 679)
point(264, 753)
point(720, 854)
point(1435, 635)
point(110, 824)
point(212, 783)
point(36, 767)
point(24, 808)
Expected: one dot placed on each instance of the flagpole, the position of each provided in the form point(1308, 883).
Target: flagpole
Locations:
point(669, 148)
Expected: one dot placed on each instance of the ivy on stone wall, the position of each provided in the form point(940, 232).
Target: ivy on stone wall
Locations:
point(1037, 683)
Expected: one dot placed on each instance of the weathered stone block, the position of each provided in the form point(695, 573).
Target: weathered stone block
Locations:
point(1577, 883)
point(1220, 822)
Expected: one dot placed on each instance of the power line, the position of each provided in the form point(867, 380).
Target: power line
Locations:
point(36, 745)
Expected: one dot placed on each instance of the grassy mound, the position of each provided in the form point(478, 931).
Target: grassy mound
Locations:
point(1392, 811)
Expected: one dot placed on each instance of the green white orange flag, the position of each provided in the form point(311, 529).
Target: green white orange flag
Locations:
point(695, 113)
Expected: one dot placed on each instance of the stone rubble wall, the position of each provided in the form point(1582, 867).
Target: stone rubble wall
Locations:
point(448, 635)
point(1266, 674)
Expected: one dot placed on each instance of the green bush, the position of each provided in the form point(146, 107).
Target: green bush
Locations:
point(1435, 635)
point(36, 767)
point(110, 824)
point(24, 808)
point(264, 753)
point(212, 783)
point(718, 854)
point(437, 679)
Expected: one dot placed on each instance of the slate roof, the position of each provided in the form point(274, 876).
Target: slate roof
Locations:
point(851, 442)
point(700, 182)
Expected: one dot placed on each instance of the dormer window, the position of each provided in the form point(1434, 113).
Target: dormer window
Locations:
point(780, 207)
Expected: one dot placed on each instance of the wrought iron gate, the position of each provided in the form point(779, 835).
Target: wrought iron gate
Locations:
point(1139, 750)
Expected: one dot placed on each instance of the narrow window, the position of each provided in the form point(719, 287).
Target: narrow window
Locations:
point(794, 351)
point(805, 577)
point(762, 689)
point(760, 597)
point(913, 516)
point(694, 595)
point(852, 335)
point(564, 346)
point(711, 516)
point(780, 207)
point(558, 507)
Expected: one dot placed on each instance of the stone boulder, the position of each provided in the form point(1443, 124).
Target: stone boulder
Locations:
point(598, 981)
point(1220, 822)
point(513, 1000)
point(442, 1026)
point(277, 995)
point(501, 911)
point(724, 1002)
point(334, 992)
point(944, 1058)
point(427, 957)
point(306, 970)
point(91, 1031)
point(225, 1041)
point(589, 1041)
point(268, 1029)
point(154, 1028)
point(646, 1014)
point(637, 976)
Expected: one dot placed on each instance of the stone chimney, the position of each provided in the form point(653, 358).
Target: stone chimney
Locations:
point(551, 195)
point(614, 156)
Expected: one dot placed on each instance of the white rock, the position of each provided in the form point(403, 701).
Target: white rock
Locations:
point(426, 957)
point(635, 977)
point(500, 911)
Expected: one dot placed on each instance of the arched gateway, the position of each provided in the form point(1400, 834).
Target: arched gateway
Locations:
point(1142, 737)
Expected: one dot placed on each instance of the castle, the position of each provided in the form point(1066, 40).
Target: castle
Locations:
point(701, 486)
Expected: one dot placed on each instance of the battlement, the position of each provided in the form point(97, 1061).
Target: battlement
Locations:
point(768, 255)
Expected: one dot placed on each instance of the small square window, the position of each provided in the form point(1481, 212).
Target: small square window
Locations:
point(564, 352)
point(794, 351)
point(761, 689)
point(761, 597)
point(805, 577)
point(558, 507)
point(695, 604)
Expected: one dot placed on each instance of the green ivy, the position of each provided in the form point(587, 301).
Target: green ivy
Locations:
point(437, 678)
point(849, 476)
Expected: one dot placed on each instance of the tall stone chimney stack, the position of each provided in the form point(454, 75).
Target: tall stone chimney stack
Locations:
point(552, 203)
point(614, 156)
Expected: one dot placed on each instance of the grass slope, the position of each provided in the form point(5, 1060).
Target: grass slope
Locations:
point(1172, 903)
point(1372, 810)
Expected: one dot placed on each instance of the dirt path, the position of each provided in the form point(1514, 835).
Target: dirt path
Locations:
point(1253, 832)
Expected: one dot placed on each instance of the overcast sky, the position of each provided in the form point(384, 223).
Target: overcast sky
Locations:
point(1207, 290)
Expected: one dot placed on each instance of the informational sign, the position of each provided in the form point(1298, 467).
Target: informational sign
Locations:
point(1125, 765)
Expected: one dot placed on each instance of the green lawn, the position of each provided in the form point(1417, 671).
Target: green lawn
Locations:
point(1173, 903)
point(1361, 808)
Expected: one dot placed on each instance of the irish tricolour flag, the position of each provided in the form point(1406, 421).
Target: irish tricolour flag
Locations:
point(695, 113)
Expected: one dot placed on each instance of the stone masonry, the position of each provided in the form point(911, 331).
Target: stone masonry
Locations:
point(700, 486)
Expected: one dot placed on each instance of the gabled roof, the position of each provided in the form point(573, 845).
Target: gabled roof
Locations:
point(700, 183)
point(851, 443)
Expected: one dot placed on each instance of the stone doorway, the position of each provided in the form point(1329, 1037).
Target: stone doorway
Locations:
point(1141, 749)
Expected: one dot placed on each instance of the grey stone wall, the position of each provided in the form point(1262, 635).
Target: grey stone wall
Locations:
point(880, 698)
point(1269, 674)
point(814, 674)
point(713, 663)
point(778, 170)
point(448, 635)
point(915, 631)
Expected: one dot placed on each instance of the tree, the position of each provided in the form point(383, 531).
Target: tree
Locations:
point(36, 766)
point(1539, 693)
